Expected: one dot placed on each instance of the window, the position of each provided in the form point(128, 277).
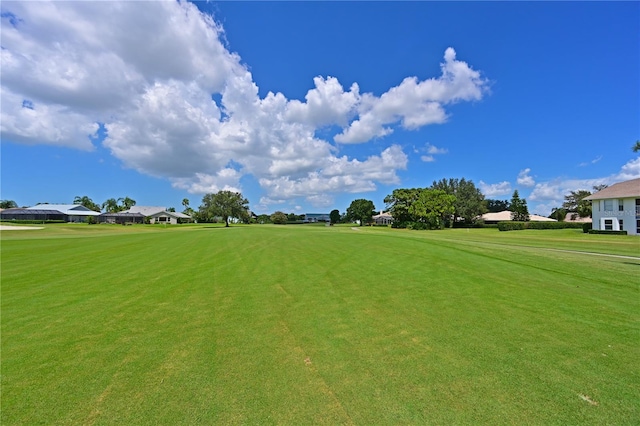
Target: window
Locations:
point(608, 224)
point(620, 205)
point(608, 205)
point(621, 225)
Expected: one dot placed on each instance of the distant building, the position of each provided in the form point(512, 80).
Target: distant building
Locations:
point(576, 218)
point(33, 214)
point(72, 212)
point(317, 217)
point(384, 218)
point(617, 207)
point(505, 215)
point(158, 214)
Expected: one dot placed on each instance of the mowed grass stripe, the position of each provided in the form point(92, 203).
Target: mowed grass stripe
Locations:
point(295, 325)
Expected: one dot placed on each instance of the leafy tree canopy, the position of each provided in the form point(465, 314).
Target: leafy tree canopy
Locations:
point(433, 207)
point(361, 210)
point(469, 201)
point(399, 202)
point(334, 216)
point(225, 204)
point(496, 206)
point(8, 204)
point(574, 202)
point(279, 218)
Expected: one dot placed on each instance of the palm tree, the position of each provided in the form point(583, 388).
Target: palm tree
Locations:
point(636, 147)
point(87, 202)
point(127, 203)
point(111, 205)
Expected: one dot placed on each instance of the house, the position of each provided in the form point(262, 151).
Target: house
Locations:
point(159, 214)
point(32, 214)
point(617, 207)
point(317, 217)
point(576, 218)
point(505, 215)
point(383, 218)
point(72, 212)
point(122, 218)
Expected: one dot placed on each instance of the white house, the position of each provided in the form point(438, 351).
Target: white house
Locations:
point(158, 214)
point(617, 207)
point(74, 212)
point(383, 219)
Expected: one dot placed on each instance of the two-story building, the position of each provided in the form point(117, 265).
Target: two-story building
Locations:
point(617, 207)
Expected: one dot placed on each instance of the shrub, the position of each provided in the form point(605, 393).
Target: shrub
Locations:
point(586, 227)
point(600, 231)
point(511, 226)
point(518, 226)
point(553, 225)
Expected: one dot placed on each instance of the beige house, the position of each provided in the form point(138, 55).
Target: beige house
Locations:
point(159, 214)
point(505, 215)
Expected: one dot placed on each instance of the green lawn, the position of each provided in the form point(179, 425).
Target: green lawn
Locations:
point(318, 325)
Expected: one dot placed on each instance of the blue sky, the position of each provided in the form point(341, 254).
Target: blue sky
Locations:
point(306, 106)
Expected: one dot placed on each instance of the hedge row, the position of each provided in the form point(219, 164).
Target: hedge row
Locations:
point(518, 226)
point(599, 231)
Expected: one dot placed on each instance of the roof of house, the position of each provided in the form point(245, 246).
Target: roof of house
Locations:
point(26, 211)
point(626, 189)
point(156, 210)
point(121, 214)
point(146, 210)
point(506, 215)
point(383, 214)
point(68, 209)
point(575, 217)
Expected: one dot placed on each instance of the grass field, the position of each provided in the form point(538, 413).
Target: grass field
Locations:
point(318, 325)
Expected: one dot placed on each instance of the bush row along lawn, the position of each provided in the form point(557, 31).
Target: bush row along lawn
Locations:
point(300, 325)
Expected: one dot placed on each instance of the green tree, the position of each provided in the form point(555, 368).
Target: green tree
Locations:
point(127, 203)
point(558, 214)
point(279, 218)
point(225, 204)
point(399, 202)
point(433, 207)
point(87, 202)
point(469, 203)
point(8, 204)
point(185, 203)
point(264, 218)
point(496, 206)
point(361, 210)
point(574, 202)
point(636, 147)
point(334, 216)
point(111, 206)
point(519, 209)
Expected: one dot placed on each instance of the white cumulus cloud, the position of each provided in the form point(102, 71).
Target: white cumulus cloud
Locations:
point(495, 189)
point(415, 103)
point(525, 179)
point(149, 73)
